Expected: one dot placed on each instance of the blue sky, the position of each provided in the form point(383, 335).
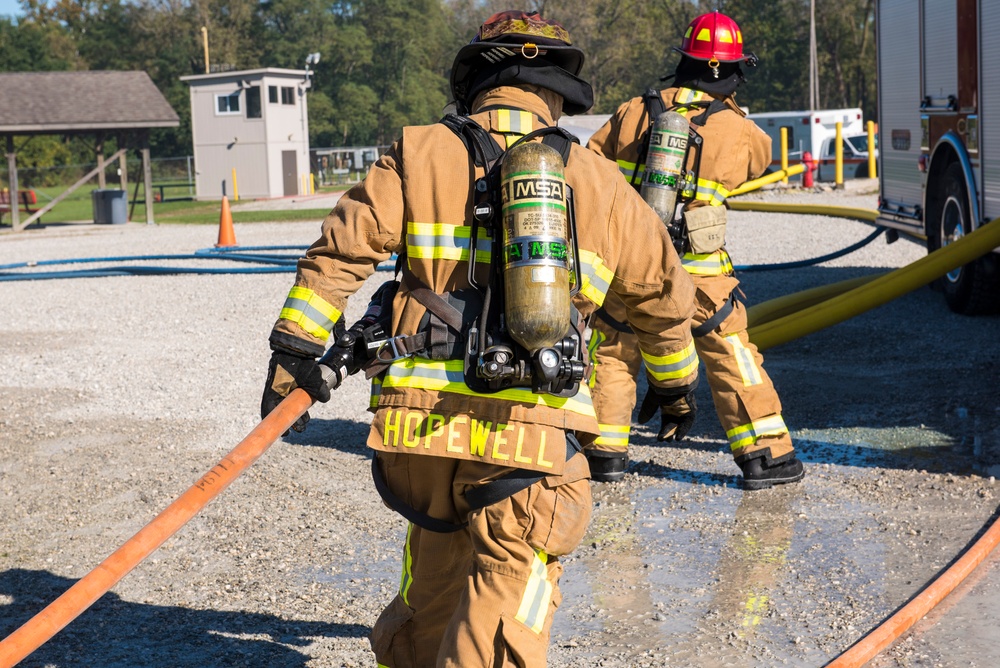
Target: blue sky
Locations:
point(9, 8)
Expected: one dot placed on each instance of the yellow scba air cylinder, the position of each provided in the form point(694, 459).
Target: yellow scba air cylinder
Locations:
point(536, 253)
point(668, 140)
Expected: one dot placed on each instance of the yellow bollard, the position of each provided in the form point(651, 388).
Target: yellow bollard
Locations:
point(838, 160)
point(784, 153)
point(236, 188)
point(871, 150)
point(312, 183)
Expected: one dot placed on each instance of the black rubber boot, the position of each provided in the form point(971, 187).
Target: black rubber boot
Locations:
point(763, 472)
point(606, 466)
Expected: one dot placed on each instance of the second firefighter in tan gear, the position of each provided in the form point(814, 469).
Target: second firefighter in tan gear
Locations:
point(734, 150)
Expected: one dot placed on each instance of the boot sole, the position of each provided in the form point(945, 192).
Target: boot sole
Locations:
point(771, 482)
point(608, 477)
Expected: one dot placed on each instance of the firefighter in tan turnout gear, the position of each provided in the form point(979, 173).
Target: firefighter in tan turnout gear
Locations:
point(474, 419)
point(732, 151)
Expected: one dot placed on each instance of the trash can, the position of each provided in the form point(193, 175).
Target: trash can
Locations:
point(110, 206)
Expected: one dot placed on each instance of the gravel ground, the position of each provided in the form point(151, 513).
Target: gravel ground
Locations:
point(120, 392)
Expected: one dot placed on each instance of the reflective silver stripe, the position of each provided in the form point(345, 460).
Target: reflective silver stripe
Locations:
point(537, 595)
point(630, 173)
point(710, 191)
point(309, 311)
point(441, 241)
point(749, 371)
point(596, 277)
point(674, 366)
point(710, 264)
point(748, 434)
point(613, 435)
point(406, 579)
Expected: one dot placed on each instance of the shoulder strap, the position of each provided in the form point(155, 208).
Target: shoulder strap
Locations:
point(713, 107)
point(653, 106)
point(653, 102)
point(481, 145)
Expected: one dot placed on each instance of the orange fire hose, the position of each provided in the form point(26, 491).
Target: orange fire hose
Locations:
point(891, 629)
point(40, 628)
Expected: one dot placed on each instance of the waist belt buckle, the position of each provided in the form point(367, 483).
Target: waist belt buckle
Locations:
point(394, 346)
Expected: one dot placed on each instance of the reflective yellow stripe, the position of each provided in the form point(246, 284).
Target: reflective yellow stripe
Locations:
point(711, 192)
point(673, 366)
point(537, 595)
point(312, 313)
point(630, 173)
point(748, 434)
point(707, 264)
point(514, 124)
point(597, 337)
point(596, 277)
point(376, 392)
point(749, 370)
point(689, 95)
point(406, 579)
point(613, 435)
point(448, 376)
point(441, 241)
point(513, 120)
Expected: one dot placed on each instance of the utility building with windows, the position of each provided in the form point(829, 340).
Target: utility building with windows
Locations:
point(253, 121)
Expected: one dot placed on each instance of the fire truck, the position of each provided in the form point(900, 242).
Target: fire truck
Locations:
point(939, 121)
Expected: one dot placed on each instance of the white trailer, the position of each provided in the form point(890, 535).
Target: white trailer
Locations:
point(816, 132)
point(939, 111)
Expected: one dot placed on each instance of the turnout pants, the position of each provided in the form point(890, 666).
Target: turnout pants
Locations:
point(484, 595)
point(745, 399)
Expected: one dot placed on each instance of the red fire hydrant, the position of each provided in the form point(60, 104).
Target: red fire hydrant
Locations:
point(807, 175)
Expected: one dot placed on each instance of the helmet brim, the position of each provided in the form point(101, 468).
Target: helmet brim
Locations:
point(721, 60)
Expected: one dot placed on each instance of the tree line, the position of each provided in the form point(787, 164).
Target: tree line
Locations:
point(384, 63)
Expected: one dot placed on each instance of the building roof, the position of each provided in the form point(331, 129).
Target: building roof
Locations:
point(194, 79)
point(55, 102)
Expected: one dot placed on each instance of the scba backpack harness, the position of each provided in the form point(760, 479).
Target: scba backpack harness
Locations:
point(471, 323)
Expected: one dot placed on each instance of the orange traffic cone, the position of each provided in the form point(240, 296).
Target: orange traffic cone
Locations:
point(227, 237)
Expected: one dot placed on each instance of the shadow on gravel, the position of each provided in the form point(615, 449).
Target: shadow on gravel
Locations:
point(344, 435)
point(118, 633)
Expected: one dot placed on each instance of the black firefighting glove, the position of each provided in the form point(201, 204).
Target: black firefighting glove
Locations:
point(677, 410)
point(288, 370)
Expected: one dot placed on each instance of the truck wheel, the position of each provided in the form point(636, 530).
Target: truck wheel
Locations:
point(974, 288)
point(862, 171)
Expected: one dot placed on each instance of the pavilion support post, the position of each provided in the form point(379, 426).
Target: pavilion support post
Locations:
point(123, 168)
point(15, 208)
point(99, 149)
point(147, 178)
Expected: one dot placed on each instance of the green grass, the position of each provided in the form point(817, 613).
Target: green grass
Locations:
point(78, 206)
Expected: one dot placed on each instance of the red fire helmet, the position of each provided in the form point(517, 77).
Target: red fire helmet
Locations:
point(713, 37)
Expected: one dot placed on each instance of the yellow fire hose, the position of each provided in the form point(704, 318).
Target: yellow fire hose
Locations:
point(773, 177)
point(758, 314)
point(879, 291)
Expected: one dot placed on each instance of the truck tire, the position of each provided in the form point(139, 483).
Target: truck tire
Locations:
point(974, 288)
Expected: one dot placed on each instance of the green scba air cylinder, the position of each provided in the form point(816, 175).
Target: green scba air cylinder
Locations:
point(668, 142)
point(536, 254)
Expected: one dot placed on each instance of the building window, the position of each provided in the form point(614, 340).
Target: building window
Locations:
point(272, 94)
point(287, 95)
point(253, 102)
point(227, 104)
